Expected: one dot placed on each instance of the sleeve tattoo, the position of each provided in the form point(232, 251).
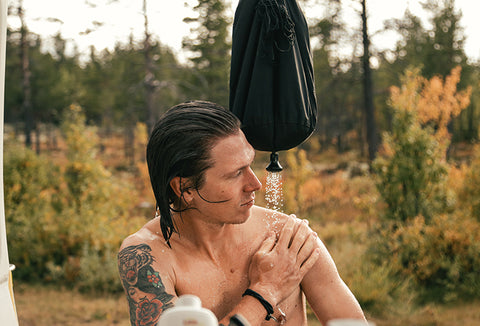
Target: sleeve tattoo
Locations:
point(146, 294)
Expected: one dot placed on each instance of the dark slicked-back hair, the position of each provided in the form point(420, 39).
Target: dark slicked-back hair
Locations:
point(179, 146)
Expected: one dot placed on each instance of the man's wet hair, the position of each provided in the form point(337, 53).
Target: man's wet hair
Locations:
point(180, 146)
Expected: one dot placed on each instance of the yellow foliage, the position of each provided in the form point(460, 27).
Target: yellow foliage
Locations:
point(434, 101)
point(304, 190)
point(411, 168)
point(144, 186)
point(298, 172)
point(141, 139)
point(407, 97)
point(141, 134)
point(468, 187)
point(440, 101)
point(311, 191)
point(456, 177)
point(439, 254)
point(66, 222)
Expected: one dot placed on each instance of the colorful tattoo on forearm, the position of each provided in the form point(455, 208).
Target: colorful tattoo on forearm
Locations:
point(146, 293)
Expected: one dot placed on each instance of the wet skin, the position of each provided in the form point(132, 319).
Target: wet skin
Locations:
point(225, 245)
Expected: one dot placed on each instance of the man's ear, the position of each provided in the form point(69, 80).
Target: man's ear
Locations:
point(180, 187)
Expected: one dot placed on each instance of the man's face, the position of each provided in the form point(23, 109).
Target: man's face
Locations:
point(228, 192)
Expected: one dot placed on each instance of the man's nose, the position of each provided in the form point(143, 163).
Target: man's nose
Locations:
point(253, 184)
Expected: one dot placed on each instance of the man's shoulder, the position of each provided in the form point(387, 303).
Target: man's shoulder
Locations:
point(145, 264)
point(271, 218)
point(148, 237)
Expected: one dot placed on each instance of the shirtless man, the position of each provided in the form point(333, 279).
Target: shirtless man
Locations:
point(210, 240)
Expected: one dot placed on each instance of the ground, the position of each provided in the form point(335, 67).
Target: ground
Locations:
point(50, 306)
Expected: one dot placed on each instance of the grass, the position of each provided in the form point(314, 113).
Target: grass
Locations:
point(50, 306)
point(458, 314)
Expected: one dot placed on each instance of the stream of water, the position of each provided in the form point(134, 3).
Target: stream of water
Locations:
point(274, 191)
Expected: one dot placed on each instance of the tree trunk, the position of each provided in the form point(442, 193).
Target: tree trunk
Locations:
point(370, 123)
point(149, 81)
point(37, 138)
point(26, 88)
point(472, 131)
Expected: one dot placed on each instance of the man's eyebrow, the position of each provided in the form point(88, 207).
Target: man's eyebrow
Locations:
point(244, 167)
point(233, 171)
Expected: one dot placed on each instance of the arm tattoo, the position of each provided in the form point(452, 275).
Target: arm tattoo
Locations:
point(146, 293)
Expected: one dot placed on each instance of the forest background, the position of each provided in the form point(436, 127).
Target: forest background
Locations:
point(390, 179)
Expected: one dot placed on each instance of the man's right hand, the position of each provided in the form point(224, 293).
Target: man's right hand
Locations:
point(279, 265)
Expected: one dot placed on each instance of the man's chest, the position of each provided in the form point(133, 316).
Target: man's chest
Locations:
point(220, 287)
point(221, 292)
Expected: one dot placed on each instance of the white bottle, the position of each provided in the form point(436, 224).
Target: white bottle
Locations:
point(188, 311)
point(349, 322)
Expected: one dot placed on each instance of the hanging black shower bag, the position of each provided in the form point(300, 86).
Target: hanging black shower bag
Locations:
point(271, 81)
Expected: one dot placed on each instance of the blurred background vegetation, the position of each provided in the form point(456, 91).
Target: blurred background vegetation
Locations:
point(398, 208)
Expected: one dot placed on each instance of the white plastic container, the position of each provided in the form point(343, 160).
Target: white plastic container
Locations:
point(188, 311)
point(349, 322)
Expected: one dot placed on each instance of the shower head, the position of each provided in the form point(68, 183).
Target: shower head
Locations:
point(274, 165)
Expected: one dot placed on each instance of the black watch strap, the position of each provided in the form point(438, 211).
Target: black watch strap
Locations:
point(268, 307)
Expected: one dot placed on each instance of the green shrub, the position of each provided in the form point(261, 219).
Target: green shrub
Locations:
point(66, 222)
point(441, 257)
point(469, 194)
point(376, 286)
point(379, 290)
point(411, 171)
point(421, 235)
point(412, 180)
point(98, 269)
point(31, 186)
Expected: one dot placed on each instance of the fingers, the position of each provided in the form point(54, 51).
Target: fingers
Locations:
point(302, 233)
point(305, 252)
point(297, 239)
point(279, 266)
point(286, 233)
point(267, 244)
point(311, 260)
point(300, 241)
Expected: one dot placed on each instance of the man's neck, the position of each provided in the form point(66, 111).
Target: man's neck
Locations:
point(213, 239)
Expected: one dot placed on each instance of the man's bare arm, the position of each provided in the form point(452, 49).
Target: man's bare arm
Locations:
point(326, 292)
point(146, 293)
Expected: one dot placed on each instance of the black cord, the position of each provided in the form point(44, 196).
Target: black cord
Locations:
point(268, 307)
point(238, 320)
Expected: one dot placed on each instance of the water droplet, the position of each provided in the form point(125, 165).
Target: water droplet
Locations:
point(274, 193)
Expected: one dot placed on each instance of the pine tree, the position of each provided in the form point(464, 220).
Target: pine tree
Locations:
point(210, 51)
